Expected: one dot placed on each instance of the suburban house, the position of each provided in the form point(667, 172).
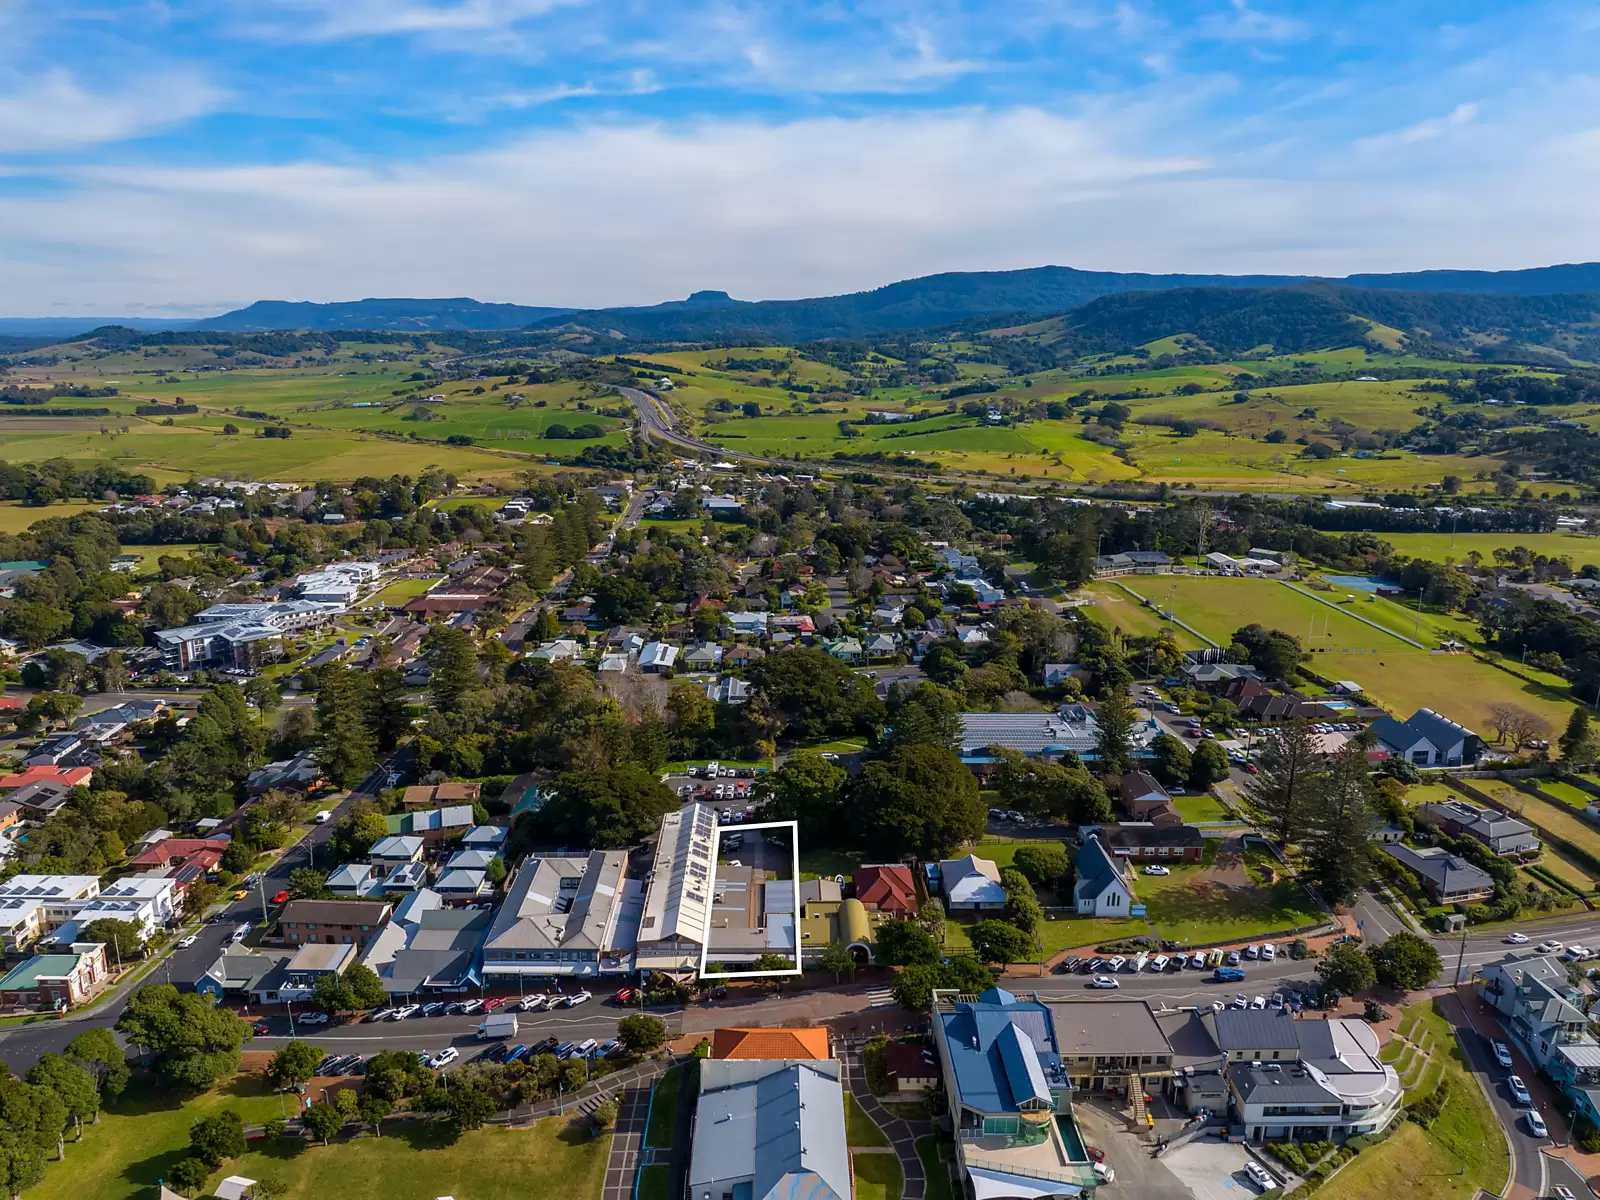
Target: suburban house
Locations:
point(1009, 1096)
point(793, 1045)
point(1449, 878)
point(299, 775)
point(887, 888)
point(1155, 841)
point(1531, 993)
point(69, 777)
point(205, 853)
point(40, 800)
point(972, 884)
point(1141, 797)
point(56, 982)
point(765, 1128)
point(355, 881)
point(331, 921)
point(440, 794)
point(396, 851)
point(657, 657)
point(914, 1070)
point(1496, 830)
point(1104, 886)
point(432, 825)
point(1428, 740)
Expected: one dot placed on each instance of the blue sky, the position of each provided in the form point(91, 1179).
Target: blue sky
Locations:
point(186, 156)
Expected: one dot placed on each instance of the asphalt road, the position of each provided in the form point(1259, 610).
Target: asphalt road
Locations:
point(21, 1047)
point(1528, 1167)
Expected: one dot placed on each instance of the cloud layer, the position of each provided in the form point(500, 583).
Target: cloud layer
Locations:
point(545, 151)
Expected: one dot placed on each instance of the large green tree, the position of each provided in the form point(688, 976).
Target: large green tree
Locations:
point(920, 799)
point(195, 1043)
point(1406, 962)
point(218, 1137)
point(295, 1063)
point(72, 1085)
point(607, 808)
point(904, 944)
point(1346, 968)
point(997, 941)
point(453, 666)
point(1208, 765)
point(1339, 851)
point(927, 716)
point(1114, 732)
point(813, 694)
point(97, 1052)
point(809, 789)
point(346, 748)
point(1579, 744)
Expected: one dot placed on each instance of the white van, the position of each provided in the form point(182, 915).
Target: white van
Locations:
point(323, 817)
point(1158, 964)
point(1138, 964)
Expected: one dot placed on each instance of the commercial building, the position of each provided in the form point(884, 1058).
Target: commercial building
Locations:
point(56, 982)
point(1428, 739)
point(1041, 735)
point(236, 646)
point(337, 922)
point(766, 1129)
point(150, 902)
point(1010, 1097)
point(1110, 1045)
point(286, 616)
point(34, 905)
point(442, 954)
point(560, 917)
point(672, 928)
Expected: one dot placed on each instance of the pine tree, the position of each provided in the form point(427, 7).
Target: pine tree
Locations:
point(1339, 846)
point(453, 666)
point(1578, 743)
point(345, 745)
point(1277, 798)
point(1114, 732)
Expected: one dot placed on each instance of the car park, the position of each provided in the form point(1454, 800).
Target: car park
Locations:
point(1158, 964)
point(1276, 1001)
point(495, 1003)
point(1519, 1091)
point(1268, 953)
point(1252, 951)
point(1536, 1124)
point(564, 1050)
point(1241, 1001)
point(1104, 981)
point(261, 1029)
point(585, 1048)
point(1116, 963)
point(1197, 961)
point(1093, 965)
point(515, 1053)
point(470, 1006)
point(1259, 1002)
point(1561, 1193)
point(577, 998)
point(1069, 966)
point(531, 1003)
point(405, 1011)
point(432, 1008)
point(1233, 958)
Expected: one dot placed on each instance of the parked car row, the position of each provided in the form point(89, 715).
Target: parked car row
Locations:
point(1518, 1091)
point(335, 1065)
point(588, 1048)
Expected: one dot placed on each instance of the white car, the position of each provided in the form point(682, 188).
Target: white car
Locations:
point(471, 1006)
point(1259, 1002)
point(185, 942)
point(531, 1003)
point(1549, 947)
point(1516, 939)
point(577, 998)
point(1561, 1193)
point(444, 1058)
point(1158, 870)
point(1576, 953)
point(1259, 1176)
point(404, 1011)
point(1268, 953)
point(1217, 1006)
point(1502, 1054)
point(1536, 1124)
point(1519, 1091)
point(313, 1018)
point(1241, 1001)
point(1104, 1172)
point(1104, 981)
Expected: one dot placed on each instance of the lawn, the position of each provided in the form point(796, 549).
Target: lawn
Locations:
point(421, 1159)
point(403, 591)
point(1564, 792)
point(653, 1183)
point(878, 1176)
point(1064, 933)
point(1195, 809)
point(1225, 901)
point(141, 1136)
point(934, 1170)
point(1465, 1135)
point(861, 1129)
point(664, 1110)
point(825, 864)
point(1582, 549)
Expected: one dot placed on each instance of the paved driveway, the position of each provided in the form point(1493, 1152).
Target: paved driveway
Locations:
point(625, 1144)
point(1211, 1170)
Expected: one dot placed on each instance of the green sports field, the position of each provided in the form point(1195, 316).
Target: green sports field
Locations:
point(1396, 675)
point(1582, 549)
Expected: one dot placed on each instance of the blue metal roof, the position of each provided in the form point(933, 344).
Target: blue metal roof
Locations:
point(1002, 1051)
point(1021, 1063)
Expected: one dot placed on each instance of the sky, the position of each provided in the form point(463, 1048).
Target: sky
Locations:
point(170, 158)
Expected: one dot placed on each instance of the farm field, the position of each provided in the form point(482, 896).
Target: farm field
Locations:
point(1564, 792)
point(1226, 900)
point(1396, 675)
point(1582, 549)
point(16, 517)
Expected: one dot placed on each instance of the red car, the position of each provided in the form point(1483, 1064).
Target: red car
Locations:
point(624, 995)
point(1095, 1154)
point(260, 1028)
point(491, 1005)
point(280, 897)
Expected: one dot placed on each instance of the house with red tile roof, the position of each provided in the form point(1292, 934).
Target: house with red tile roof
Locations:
point(889, 887)
point(205, 853)
point(772, 1044)
point(70, 776)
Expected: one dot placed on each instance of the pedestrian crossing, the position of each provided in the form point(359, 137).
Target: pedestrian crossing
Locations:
point(879, 998)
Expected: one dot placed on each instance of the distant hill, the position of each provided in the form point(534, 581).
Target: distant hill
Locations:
point(1320, 315)
point(60, 329)
point(957, 296)
point(403, 315)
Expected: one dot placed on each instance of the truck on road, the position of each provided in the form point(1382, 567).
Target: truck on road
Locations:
point(500, 1025)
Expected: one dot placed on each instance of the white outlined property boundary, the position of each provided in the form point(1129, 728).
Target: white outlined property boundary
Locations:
point(705, 935)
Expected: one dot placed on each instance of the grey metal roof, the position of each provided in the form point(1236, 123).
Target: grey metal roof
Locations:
point(1108, 1027)
point(560, 902)
point(1287, 1085)
point(1448, 872)
point(775, 1125)
point(1254, 1029)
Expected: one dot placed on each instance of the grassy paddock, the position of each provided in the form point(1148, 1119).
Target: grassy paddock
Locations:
point(1224, 902)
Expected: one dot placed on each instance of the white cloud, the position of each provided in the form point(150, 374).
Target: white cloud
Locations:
point(1423, 131)
point(617, 214)
point(335, 20)
point(1243, 23)
point(53, 111)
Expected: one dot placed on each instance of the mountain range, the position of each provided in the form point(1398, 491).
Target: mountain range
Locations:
point(932, 300)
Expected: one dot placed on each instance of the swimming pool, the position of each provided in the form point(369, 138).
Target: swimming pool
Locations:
point(1071, 1138)
point(1360, 583)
